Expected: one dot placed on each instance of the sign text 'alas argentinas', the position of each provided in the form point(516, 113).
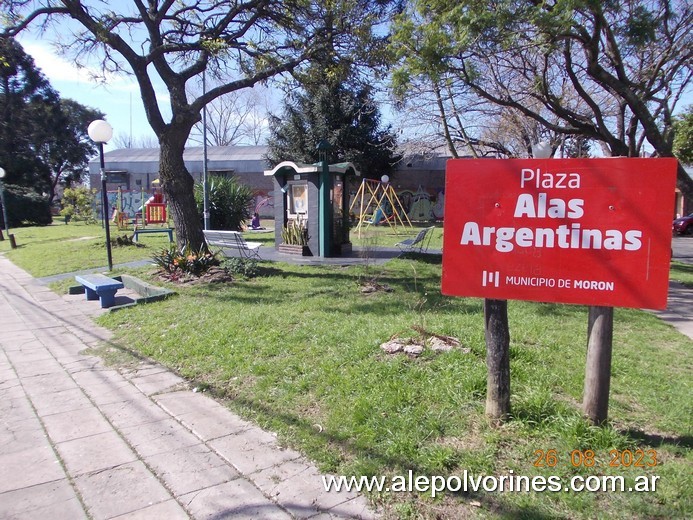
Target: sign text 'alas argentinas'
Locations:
point(539, 205)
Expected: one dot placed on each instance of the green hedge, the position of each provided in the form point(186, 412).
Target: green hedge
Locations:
point(25, 206)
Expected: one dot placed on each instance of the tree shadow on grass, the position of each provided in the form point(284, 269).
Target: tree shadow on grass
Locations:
point(424, 258)
point(656, 440)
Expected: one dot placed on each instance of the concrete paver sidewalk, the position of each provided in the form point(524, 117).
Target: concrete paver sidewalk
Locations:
point(81, 440)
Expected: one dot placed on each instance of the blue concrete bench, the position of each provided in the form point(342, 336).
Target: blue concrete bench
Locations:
point(153, 230)
point(99, 286)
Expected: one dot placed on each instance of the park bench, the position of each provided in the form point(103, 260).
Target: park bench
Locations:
point(100, 287)
point(419, 243)
point(141, 231)
point(233, 240)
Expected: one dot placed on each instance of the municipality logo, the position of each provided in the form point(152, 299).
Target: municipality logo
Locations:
point(490, 278)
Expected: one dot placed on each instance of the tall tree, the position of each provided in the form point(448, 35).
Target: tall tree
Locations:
point(129, 141)
point(25, 96)
point(43, 139)
point(610, 71)
point(62, 143)
point(239, 118)
point(683, 136)
point(245, 42)
point(333, 100)
point(343, 113)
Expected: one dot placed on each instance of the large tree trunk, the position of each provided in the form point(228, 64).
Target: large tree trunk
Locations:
point(177, 185)
point(497, 359)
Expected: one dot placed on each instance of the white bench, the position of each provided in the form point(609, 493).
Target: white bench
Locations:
point(419, 243)
point(233, 240)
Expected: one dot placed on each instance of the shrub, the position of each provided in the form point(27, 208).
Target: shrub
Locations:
point(185, 261)
point(230, 202)
point(295, 233)
point(25, 206)
point(244, 267)
point(78, 204)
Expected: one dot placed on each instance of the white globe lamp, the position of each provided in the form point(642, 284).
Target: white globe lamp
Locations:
point(100, 131)
point(541, 150)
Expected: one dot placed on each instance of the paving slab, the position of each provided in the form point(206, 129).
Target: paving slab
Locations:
point(75, 424)
point(237, 499)
point(195, 468)
point(30, 467)
point(252, 450)
point(159, 437)
point(292, 485)
point(205, 417)
point(56, 500)
point(123, 489)
point(95, 453)
point(168, 510)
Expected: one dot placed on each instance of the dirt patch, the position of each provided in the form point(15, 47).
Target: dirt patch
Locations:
point(414, 346)
point(371, 286)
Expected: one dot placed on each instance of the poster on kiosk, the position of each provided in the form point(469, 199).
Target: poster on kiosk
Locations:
point(580, 231)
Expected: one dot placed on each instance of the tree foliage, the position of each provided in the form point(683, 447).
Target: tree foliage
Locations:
point(244, 43)
point(64, 145)
point(25, 206)
point(43, 138)
point(78, 204)
point(608, 71)
point(230, 202)
point(337, 110)
point(683, 137)
point(25, 96)
point(333, 100)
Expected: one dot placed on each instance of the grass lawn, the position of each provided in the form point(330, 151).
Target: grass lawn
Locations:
point(60, 248)
point(296, 349)
point(682, 273)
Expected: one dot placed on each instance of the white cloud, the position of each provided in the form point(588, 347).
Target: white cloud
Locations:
point(60, 70)
point(54, 67)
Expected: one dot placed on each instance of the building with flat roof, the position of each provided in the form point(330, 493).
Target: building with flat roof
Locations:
point(418, 178)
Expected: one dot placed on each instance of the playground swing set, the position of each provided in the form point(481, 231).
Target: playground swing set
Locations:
point(378, 203)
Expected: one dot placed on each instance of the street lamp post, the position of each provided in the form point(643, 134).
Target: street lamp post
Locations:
point(205, 180)
point(4, 206)
point(101, 132)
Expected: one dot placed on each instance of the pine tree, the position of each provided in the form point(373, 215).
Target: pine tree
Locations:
point(332, 106)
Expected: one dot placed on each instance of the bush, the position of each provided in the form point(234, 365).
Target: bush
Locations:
point(25, 206)
point(295, 233)
point(78, 204)
point(230, 202)
point(186, 261)
point(244, 267)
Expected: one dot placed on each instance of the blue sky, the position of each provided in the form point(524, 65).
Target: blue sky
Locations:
point(118, 98)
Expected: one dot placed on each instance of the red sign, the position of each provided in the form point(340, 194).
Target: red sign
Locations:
point(583, 231)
